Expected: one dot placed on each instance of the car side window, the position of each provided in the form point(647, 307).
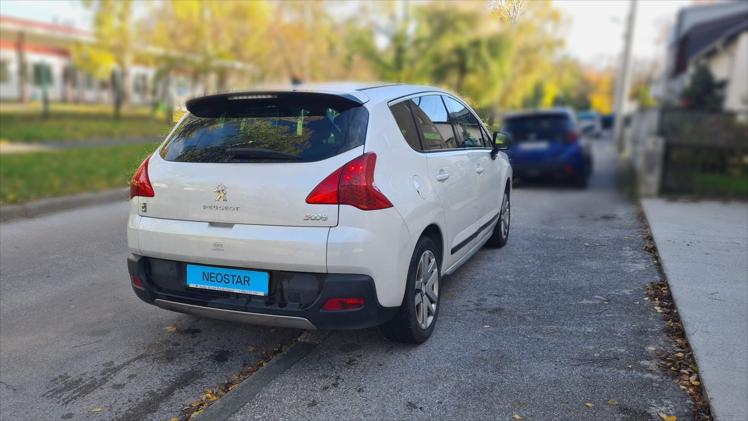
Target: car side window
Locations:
point(406, 124)
point(467, 126)
point(433, 120)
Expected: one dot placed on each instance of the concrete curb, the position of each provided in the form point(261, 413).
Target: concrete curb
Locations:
point(235, 400)
point(56, 204)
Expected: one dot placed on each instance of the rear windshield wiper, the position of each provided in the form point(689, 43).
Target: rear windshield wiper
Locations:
point(258, 153)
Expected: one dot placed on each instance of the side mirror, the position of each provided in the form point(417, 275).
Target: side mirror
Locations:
point(501, 142)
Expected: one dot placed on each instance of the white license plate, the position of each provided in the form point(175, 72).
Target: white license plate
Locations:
point(534, 146)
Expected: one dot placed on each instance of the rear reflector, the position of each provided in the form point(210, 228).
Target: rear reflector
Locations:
point(572, 137)
point(352, 184)
point(137, 282)
point(140, 185)
point(336, 304)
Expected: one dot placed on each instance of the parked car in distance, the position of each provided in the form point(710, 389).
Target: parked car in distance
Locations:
point(318, 207)
point(547, 143)
point(590, 123)
point(606, 121)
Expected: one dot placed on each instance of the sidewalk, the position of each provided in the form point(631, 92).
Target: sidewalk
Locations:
point(703, 248)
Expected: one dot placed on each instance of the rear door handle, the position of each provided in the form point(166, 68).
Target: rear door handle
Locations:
point(442, 175)
point(480, 170)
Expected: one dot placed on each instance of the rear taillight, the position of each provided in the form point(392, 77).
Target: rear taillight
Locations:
point(338, 304)
point(140, 185)
point(572, 137)
point(352, 184)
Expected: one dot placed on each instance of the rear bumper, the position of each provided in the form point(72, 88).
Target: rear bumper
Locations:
point(295, 298)
point(531, 169)
point(565, 166)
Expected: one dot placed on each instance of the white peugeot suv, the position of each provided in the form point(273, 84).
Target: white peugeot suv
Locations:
point(318, 207)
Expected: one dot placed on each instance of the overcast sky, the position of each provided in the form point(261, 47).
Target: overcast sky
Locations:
point(596, 28)
point(595, 33)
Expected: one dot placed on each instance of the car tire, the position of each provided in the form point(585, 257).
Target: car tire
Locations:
point(581, 181)
point(419, 311)
point(501, 231)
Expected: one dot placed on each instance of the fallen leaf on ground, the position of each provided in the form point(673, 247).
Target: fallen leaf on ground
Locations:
point(516, 417)
point(589, 405)
point(209, 395)
point(612, 402)
point(666, 417)
point(97, 409)
point(251, 349)
point(170, 328)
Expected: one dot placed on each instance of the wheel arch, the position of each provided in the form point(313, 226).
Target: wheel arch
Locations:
point(435, 233)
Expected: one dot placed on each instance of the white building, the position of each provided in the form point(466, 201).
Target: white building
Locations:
point(714, 35)
point(45, 48)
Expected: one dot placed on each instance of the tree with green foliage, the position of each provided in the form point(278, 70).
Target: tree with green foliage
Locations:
point(464, 51)
point(492, 58)
point(111, 54)
point(703, 93)
point(386, 41)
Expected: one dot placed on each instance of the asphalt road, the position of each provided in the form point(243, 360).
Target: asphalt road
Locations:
point(544, 328)
point(74, 339)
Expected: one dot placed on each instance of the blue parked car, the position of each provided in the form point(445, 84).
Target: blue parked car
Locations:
point(548, 143)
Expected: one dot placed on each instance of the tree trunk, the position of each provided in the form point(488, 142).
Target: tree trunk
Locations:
point(23, 94)
point(45, 96)
point(116, 83)
point(125, 85)
point(221, 81)
point(461, 70)
point(168, 99)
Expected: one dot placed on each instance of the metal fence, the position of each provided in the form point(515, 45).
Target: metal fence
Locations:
point(704, 154)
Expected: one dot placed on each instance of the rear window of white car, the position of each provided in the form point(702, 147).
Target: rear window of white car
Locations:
point(284, 128)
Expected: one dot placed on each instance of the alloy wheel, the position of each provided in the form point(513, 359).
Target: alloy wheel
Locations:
point(506, 216)
point(426, 289)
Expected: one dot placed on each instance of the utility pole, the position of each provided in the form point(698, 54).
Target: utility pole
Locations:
point(623, 79)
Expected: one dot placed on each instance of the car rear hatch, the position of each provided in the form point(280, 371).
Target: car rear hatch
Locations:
point(539, 136)
point(254, 158)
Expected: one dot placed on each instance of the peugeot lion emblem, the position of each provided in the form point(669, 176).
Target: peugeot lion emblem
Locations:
point(220, 193)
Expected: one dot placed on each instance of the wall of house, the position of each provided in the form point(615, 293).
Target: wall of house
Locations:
point(736, 92)
point(9, 80)
point(83, 88)
point(730, 64)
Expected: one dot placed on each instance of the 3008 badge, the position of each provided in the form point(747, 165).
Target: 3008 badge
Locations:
point(315, 217)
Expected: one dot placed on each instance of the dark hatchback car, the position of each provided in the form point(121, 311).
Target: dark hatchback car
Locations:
point(547, 143)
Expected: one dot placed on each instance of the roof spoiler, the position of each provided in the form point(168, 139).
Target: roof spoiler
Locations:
point(232, 104)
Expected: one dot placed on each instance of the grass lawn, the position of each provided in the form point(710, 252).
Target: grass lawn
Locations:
point(73, 122)
point(29, 176)
point(720, 184)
